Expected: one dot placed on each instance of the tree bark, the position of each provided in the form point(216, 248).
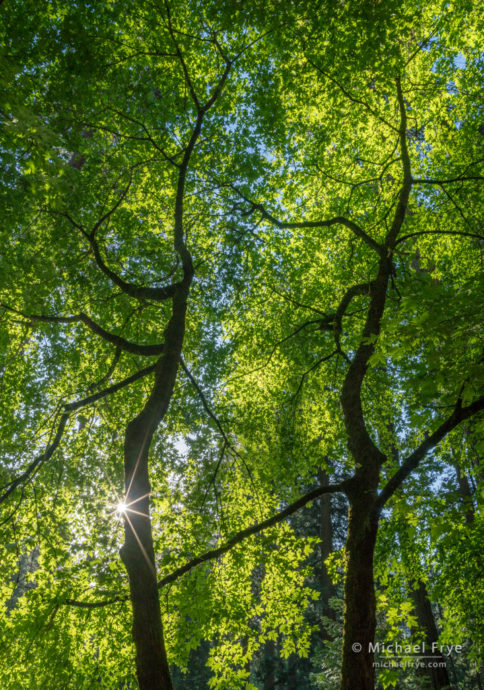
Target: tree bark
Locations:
point(439, 677)
point(292, 663)
point(326, 534)
point(137, 552)
point(466, 494)
point(360, 607)
point(269, 665)
point(151, 660)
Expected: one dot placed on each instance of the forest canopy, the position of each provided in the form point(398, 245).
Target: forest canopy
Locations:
point(241, 344)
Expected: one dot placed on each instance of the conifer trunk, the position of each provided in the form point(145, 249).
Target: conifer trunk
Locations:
point(439, 678)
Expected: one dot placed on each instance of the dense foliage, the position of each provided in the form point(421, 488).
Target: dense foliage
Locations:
point(306, 182)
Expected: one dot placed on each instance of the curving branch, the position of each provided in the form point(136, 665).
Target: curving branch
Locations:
point(238, 538)
point(156, 294)
point(338, 220)
point(361, 289)
point(38, 461)
point(439, 232)
point(119, 341)
point(68, 409)
point(458, 415)
point(362, 447)
point(253, 529)
point(140, 292)
point(135, 348)
point(75, 405)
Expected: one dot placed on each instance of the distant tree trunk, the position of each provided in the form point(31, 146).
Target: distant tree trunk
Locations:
point(292, 663)
point(269, 666)
point(439, 677)
point(326, 534)
point(466, 494)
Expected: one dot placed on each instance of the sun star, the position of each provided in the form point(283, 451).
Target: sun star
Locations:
point(121, 508)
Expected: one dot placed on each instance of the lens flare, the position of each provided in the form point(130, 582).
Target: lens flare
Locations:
point(121, 508)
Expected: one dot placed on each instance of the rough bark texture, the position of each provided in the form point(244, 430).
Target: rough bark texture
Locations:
point(151, 661)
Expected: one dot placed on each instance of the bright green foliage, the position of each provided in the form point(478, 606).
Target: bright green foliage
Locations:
point(99, 102)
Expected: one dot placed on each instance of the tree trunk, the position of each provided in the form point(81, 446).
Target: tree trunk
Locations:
point(326, 547)
point(269, 666)
point(466, 493)
point(326, 534)
point(360, 605)
point(137, 554)
point(292, 663)
point(439, 677)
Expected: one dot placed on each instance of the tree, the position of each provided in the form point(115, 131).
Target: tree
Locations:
point(159, 160)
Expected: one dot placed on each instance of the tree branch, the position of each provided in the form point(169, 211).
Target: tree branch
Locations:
point(204, 402)
point(459, 414)
point(72, 406)
point(148, 137)
point(157, 294)
point(122, 343)
point(465, 178)
point(186, 75)
point(314, 366)
point(38, 461)
point(250, 531)
point(293, 301)
point(338, 220)
point(179, 240)
point(233, 541)
point(404, 195)
point(439, 232)
point(361, 289)
point(68, 408)
point(137, 291)
point(350, 96)
point(110, 371)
